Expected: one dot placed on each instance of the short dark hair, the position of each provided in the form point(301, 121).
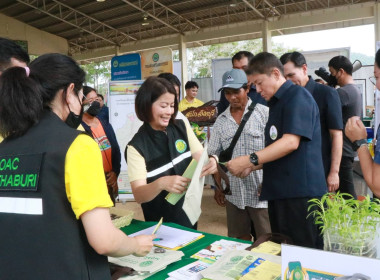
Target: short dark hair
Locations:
point(341, 62)
point(296, 57)
point(191, 84)
point(263, 63)
point(8, 50)
point(87, 90)
point(23, 97)
point(148, 93)
point(173, 79)
point(377, 58)
point(100, 95)
point(241, 54)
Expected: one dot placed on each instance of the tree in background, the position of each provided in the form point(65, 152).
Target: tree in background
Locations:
point(200, 58)
point(98, 75)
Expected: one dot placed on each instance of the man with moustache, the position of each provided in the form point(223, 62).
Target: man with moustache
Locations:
point(240, 61)
point(242, 206)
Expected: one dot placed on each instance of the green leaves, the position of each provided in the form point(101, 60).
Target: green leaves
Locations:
point(98, 73)
point(347, 224)
point(198, 131)
point(199, 58)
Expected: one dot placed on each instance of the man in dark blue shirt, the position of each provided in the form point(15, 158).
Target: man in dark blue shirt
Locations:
point(291, 159)
point(330, 112)
point(240, 61)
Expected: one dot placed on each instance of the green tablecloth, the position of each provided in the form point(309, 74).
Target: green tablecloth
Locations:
point(188, 250)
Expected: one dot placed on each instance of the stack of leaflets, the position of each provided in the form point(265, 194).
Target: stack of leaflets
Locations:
point(148, 265)
point(245, 265)
point(206, 257)
point(171, 238)
point(268, 247)
point(217, 249)
point(191, 271)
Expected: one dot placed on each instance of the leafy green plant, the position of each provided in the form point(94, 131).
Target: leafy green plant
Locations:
point(198, 131)
point(348, 225)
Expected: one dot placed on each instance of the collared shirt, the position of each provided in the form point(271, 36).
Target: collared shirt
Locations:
point(245, 190)
point(253, 94)
point(330, 113)
point(292, 110)
point(184, 104)
point(137, 169)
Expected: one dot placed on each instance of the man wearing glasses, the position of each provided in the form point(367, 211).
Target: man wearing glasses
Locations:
point(242, 205)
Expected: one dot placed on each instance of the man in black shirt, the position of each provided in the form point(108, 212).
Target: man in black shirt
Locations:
point(327, 99)
point(350, 97)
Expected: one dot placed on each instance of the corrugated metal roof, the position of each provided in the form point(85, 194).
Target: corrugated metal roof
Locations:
point(88, 24)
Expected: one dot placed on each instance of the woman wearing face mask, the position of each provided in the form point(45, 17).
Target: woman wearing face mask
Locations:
point(160, 151)
point(104, 135)
point(53, 197)
point(357, 133)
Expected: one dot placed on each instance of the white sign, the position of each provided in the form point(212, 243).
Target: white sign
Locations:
point(124, 121)
point(318, 264)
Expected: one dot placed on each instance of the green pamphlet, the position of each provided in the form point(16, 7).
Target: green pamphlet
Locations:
point(173, 198)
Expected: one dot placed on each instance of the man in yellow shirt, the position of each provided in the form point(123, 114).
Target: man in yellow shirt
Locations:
point(191, 89)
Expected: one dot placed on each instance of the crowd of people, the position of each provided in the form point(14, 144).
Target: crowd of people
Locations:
point(281, 138)
point(58, 225)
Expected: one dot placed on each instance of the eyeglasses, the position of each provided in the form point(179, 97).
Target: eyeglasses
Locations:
point(87, 100)
point(373, 80)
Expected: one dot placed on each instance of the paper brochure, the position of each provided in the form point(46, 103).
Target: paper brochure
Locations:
point(171, 238)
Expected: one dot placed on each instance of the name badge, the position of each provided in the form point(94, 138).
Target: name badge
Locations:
point(20, 172)
point(273, 132)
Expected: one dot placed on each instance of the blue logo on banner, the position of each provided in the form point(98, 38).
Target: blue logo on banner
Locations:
point(126, 67)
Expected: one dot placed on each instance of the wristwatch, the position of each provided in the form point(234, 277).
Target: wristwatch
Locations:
point(254, 159)
point(358, 143)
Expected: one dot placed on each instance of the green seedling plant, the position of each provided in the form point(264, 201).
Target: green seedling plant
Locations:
point(348, 225)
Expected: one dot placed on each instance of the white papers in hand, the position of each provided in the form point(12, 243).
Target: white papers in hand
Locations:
point(193, 197)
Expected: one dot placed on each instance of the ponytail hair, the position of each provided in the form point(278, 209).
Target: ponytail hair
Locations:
point(23, 98)
point(54, 72)
point(20, 102)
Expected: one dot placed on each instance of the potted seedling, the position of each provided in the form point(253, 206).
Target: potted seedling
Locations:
point(348, 225)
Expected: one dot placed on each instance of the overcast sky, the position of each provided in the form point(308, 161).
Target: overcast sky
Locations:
point(361, 39)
